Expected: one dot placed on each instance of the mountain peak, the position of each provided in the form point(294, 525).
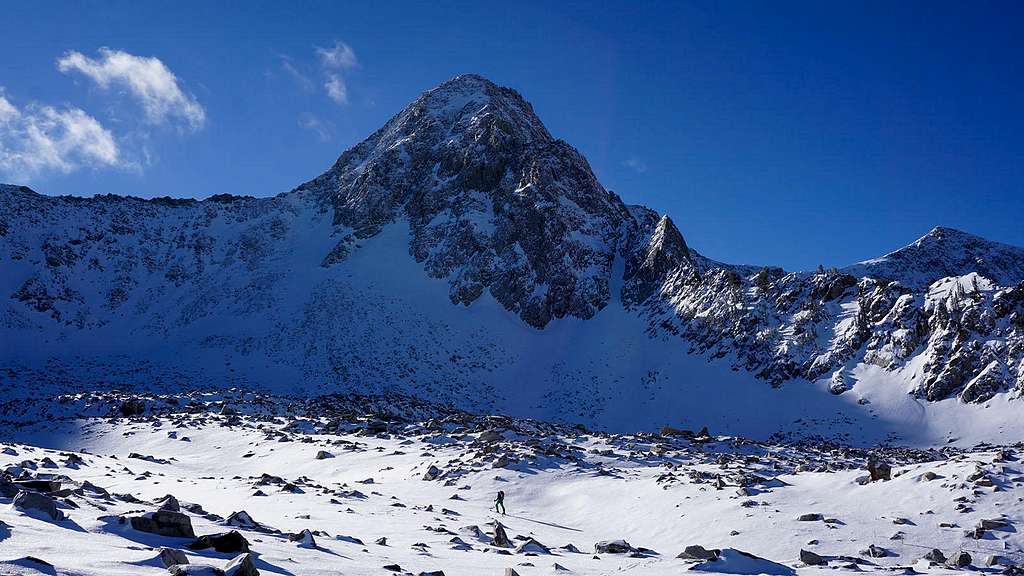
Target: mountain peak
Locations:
point(470, 101)
point(493, 202)
point(944, 252)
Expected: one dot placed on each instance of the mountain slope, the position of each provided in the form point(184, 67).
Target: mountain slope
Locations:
point(464, 255)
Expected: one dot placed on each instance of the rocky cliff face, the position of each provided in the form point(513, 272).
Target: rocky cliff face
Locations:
point(493, 201)
point(497, 209)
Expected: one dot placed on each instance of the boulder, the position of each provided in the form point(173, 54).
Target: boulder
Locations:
point(241, 565)
point(164, 523)
point(169, 502)
point(960, 559)
point(171, 557)
point(432, 473)
point(873, 551)
point(613, 547)
point(732, 561)
point(531, 546)
point(304, 539)
point(994, 524)
point(994, 560)
point(242, 519)
point(38, 505)
point(224, 542)
point(879, 470)
point(696, 552)
point(810, 517)
point(39, 485)
point(935, 555)
point(500, 538)
point(811, 559)
point(323, 454)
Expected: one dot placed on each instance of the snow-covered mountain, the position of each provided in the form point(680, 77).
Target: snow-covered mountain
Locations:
point(463, 255)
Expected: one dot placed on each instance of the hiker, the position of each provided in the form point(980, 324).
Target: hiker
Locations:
point(500, 502)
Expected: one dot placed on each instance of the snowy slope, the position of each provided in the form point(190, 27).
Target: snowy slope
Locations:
point(463, 255)
point(563, 487)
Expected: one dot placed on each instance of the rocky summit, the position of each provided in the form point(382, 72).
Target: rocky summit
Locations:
point(463, 255)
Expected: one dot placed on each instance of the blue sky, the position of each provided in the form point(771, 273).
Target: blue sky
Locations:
point(788, 133)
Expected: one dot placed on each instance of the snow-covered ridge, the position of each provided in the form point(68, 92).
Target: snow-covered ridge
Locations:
point(945, 252)
point(569, 304)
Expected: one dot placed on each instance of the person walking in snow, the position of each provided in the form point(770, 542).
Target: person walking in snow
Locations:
point(500, 502)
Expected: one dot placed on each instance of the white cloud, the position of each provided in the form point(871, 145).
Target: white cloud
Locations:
point(341, 57)
point(335, 61)
point(636, 164)
point(336, 88)
point(301, 79)
point(147, 79)
point(43, 138)
point(323, 129)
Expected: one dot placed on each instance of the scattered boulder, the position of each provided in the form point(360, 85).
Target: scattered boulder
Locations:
point(38, 505)
point(164, 523)
point(959, 560)
point(242, 519)
point(241, 565)
point(732, 561)
point(531, 546)
point(323, 454)
point(879, 470)
point(39, 485)
point(500, 538)
point(571, 548)
point(994, 560)
point(935, 555)
point(994, 524)
point(873, 551)
point(815, 517)
point(695, 552)
point(172, 556)
point(304, 539)
point(432, 473)
point(224, 542)
point(613, 547)
point(811, 559)
point(169, 502)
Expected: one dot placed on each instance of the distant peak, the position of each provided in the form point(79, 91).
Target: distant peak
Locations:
point(944, 252)
point(455, 94)
point(940, 232)
point(467, 80)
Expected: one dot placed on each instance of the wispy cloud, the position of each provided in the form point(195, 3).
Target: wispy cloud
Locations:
point(323, 129)
point(635, 164)
point(335, 62)
point(300, 78)
point(145, 78)
point(340, 57)
point(42, 138)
